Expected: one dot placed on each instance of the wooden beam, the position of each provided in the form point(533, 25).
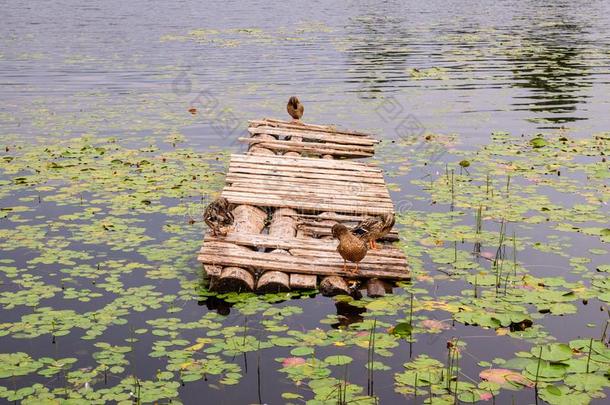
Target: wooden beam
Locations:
point(225, 255)
point(261, 241)
point(312, 127)
point(307, 162)
point(316, 135)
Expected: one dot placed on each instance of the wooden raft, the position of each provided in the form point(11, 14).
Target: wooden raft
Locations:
point(289, 190)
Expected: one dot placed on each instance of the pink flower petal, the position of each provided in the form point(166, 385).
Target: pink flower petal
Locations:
point(293, 361)
point(503, 376)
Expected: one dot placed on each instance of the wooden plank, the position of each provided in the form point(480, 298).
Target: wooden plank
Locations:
point(301, 161)
point(293, 169)
point(310, 147)
point(318, 189)
point(335, 196)
point(321, 146)
point(312, 204)
point(329, 257)
point(269, 171)
point(263, 263)
point(303, 182)
point(318, 245)
point(386, 262)
point(378, 262)
point(226, 255)
point(304, 205)
point(316, 135)
point(289, 124)
point(342, 196)
point(333, 216)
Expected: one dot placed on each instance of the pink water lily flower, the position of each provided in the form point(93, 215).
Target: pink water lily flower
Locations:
point(293, 361)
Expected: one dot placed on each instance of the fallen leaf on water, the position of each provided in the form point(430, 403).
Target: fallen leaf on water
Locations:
point(487, 255)
point(433, 324)
point(503, 376)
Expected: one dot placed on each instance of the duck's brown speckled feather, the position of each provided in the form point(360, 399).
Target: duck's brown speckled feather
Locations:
point(295, 108)
point(218, 215)
point(376, 227)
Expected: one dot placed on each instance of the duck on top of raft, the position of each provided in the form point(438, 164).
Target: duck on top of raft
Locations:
point(354, 243)
point(295, 109)
point(218, 216)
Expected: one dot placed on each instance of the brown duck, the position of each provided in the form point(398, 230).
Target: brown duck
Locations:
point(295, 108)
point(376, 227)
point(352, 246)
point(218, 216)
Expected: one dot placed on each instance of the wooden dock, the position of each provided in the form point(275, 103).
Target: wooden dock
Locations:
point(291, 187)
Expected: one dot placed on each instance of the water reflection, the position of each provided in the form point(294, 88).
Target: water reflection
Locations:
point(550, 62)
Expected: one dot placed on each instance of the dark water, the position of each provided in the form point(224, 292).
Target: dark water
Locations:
point(132, 70)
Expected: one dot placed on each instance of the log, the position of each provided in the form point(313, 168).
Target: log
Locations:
point(273, 282)
point(211, 270)
point(234, 279)
point(303, 281)
point(375, 288)
point(283, 224)
point(333, 285)
point(248, 219)
point(258, 150)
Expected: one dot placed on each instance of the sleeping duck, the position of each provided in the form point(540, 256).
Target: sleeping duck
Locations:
point(376, 227)
point(295, 109)
point(218, 216)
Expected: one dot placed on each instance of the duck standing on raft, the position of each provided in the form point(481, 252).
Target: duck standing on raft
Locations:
point(354, 243)
point(295, 109)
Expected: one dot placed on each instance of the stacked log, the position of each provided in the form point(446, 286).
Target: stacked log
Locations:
point(247, 219)
point(258, 150)
point(283, 225)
